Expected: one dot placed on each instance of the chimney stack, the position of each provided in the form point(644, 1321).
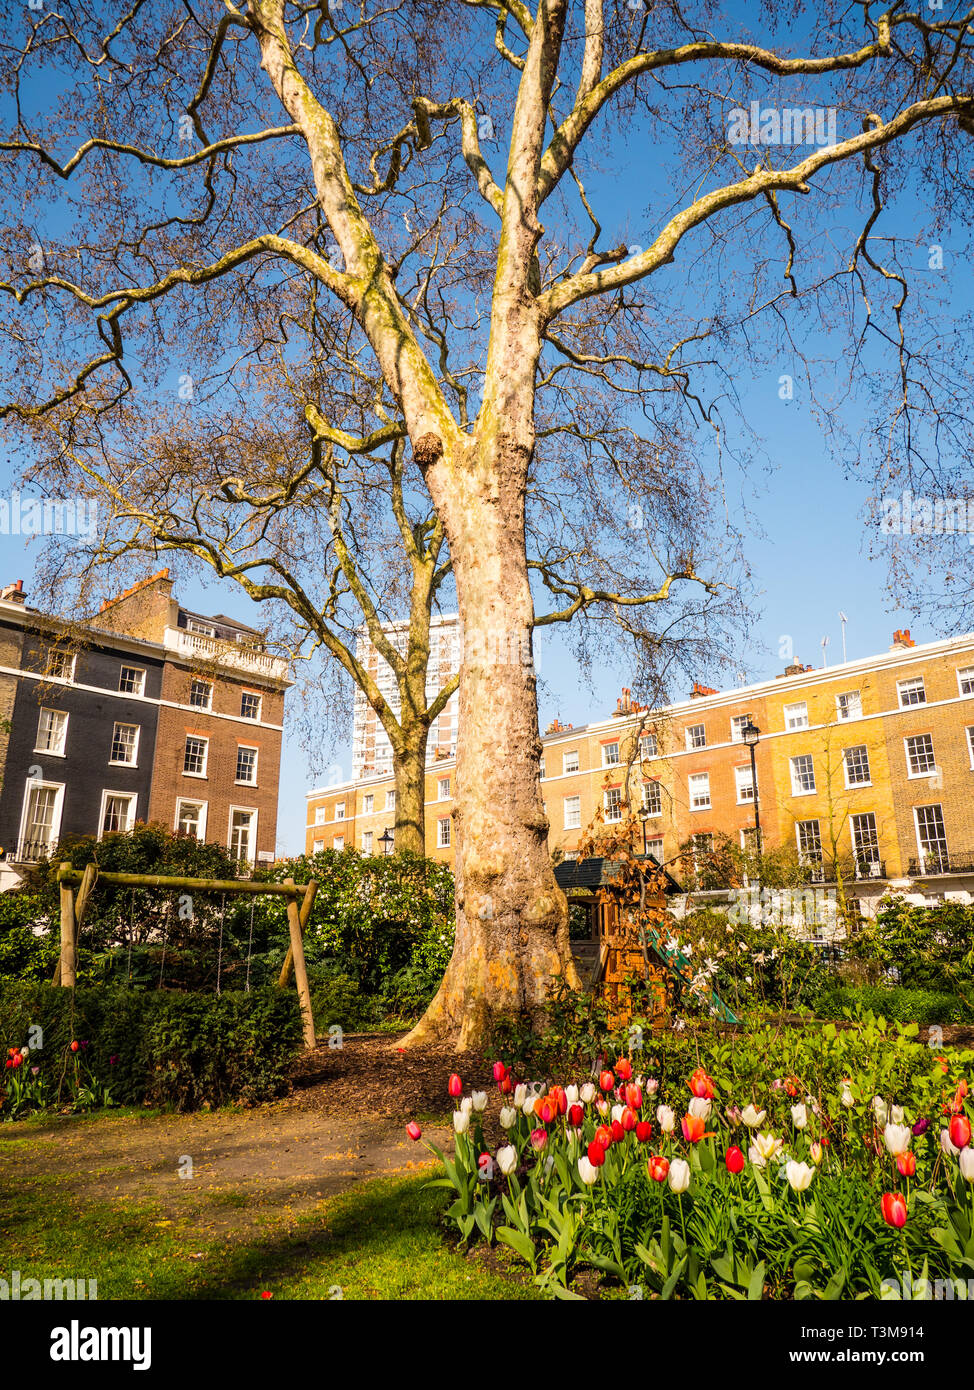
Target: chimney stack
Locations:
point(902, 639)
point(699, 691)
point(14, 593)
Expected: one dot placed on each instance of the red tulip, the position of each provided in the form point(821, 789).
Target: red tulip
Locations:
point(539, 1137)
point(643, 1130)
point(618, 1133)
point(576, 1115)
point(734, 1159)
point(17, 1061)
point(634, 1097)
point(906, 1164)
point(657, 1167)
point(894, 1209)
point(623, 1069)
point(74, 1048)
point(546, 1111)
point(957, 1104)
point(500, 1071)
point(454, 1085)
point(960, 1131)
point(413, 1130)
point(603, 1136)
point(596, 1154)
point(629, 1121)
point(607, 1081)
point(693, 1128)
point(701, 1085)
point(506, 1085)
point(559, 1099)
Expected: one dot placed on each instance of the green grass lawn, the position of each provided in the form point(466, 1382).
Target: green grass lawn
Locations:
point(380, 1240)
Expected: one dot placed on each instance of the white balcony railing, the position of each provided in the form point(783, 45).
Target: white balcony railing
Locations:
point(231, 654)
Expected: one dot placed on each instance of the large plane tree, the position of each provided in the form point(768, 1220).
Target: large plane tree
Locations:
point(338, 142)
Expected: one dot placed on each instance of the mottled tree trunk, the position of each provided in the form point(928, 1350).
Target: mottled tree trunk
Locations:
point(409, 766)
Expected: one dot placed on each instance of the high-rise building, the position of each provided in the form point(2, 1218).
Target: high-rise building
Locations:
point(371, 749)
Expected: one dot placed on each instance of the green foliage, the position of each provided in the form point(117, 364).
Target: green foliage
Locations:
point(921, 1006)
point(929, 948)
point(155, 1047)
point(24, 953)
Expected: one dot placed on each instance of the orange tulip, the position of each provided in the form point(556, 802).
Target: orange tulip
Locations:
point(906, 1164)
point(701, 1085)
point(658, 1167)
point(693, 1128)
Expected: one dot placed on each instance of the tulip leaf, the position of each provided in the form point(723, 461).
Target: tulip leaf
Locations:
point(674, 1279)
point(755, 1286)
point(518, 1242)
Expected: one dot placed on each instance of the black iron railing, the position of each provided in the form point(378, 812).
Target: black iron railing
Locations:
point(870, 868)
point(30, 851)
point(940, 862)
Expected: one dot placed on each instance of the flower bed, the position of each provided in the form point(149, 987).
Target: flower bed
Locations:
point(707, 1190)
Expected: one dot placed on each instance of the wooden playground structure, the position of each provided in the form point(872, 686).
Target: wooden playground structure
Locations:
point(300, 900)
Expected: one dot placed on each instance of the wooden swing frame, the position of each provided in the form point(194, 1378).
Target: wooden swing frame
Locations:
point(298, 916)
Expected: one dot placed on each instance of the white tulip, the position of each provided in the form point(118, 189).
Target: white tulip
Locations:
point(799, 1175)
point(700, 1107)
point(571, 1095)
point(508, 1117)
point(461, 1121)
point(896, 1114)
point(753, 1118)
point(765, 1146)
point(507, 1159)
point(880, 1110)
point(897, 1138)
point(588, 1093)
point(602, 1106)
point(466, 1105)
point(967, 1163)
point(479, 1099)
point(666, 1118)
point(848, 1099)
point(679, 1175)
point(520, 1094)
point(946, 1145)
point(587, 1171)
point(617, 1112)
point(529, 1104)
point(799, 1116)
point(652, 1086)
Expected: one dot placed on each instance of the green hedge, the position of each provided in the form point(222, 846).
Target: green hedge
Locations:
point(170, 1049)
point(921, 1006)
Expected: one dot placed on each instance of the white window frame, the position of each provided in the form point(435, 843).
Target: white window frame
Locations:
point(744, 785)
point(321, 815)
point(136, 670)
point(609, 805)
point(209, 693)
point(923, 853)
point(182, 801)
point(252, 695)
point(737, 725)
point(246, 748)
point(131, 797)
point(963, 671)
point(696, 798)
point(338, 843)
point(804, 854)
point(201, 629)
point(340, 808)
point(64, 716)
point(657, 801)
point(796, 788)
point(71, 660)
point(541, 769)
point(197, 738)
point(651, 842)
point(930, 771)
point(690, 737)
point(565, 769)
point(903, 687)
point(443, 832)
point(841, 712)
point(252, 811)
point(368, 803)
point(970, 743)
point(850, 785)
point(575, 823)
point(390, 801)
point(317, 846)
point(439, 789)
point(42, 784)
point(367, 841)
point(134, 760)
point(794, 720)
point(651, 750)
point(606, 760)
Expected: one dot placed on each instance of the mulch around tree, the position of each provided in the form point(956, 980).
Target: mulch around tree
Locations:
point(369, 1074)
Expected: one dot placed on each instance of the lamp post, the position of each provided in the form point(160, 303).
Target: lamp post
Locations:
point(751, 734)
point(387, 840)
point(644, 817)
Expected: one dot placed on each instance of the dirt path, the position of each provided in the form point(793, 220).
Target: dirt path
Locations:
point(234, 1169)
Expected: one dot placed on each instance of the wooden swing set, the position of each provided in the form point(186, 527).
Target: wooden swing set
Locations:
point(300, 902)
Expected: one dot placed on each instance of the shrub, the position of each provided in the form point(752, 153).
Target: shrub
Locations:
point(921, 1006)
point(169, 1049)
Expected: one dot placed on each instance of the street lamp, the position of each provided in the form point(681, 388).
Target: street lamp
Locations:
point(387, 840)
point(644, 817)
point(750, 733)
